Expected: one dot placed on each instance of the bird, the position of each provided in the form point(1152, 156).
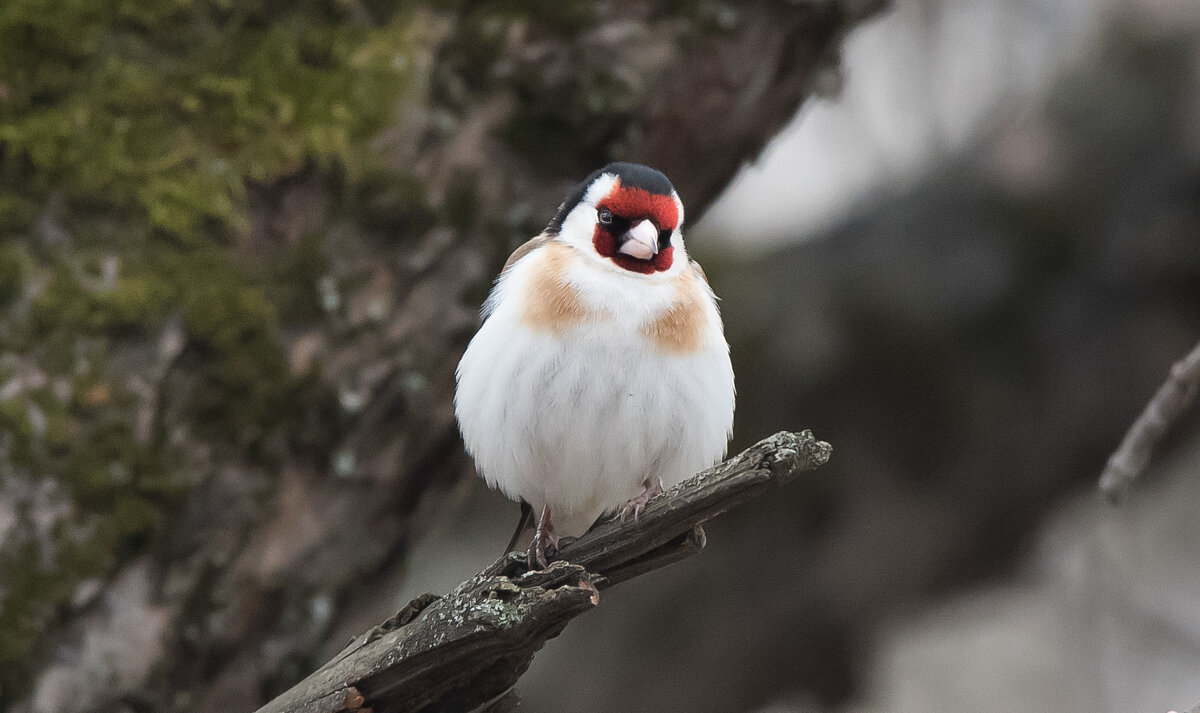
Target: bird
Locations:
point(600, 374)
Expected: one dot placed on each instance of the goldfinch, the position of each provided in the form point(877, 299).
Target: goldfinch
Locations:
point(601, 374)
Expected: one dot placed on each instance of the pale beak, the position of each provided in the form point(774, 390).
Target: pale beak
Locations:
point(641, 241)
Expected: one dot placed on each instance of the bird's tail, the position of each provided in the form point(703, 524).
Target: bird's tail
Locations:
point(526, 518)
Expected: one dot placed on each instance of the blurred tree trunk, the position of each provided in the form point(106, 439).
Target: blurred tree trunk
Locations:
point(227, 373)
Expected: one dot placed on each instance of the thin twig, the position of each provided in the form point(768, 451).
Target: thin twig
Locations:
point(1164, 409)
point(465, 650)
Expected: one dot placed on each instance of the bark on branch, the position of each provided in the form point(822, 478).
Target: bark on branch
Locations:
point(1165, 408)
point(465, 650)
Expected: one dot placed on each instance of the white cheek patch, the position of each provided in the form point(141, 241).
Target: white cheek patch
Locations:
point(580, 223)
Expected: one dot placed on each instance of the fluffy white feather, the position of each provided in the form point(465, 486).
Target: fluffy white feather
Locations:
point(578, 419)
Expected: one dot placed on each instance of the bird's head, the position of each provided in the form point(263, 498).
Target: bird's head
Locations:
point(625, 214)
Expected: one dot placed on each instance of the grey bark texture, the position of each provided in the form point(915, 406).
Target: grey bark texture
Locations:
point(1166, 407)
point(468, 648)
point(279, 533)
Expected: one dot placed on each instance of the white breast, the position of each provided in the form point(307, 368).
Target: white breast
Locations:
point(577, 418)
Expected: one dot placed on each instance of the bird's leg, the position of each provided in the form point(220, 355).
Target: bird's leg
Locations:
point(543, 538)
point(650, 487)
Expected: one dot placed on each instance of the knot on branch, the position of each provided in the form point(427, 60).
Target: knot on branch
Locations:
point(792, 453)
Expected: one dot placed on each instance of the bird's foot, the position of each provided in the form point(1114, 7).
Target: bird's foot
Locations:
point(651, 487)
point(544, 541)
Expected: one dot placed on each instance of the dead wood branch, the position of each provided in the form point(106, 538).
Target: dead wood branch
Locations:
point(1164, 409)
point(466, 649)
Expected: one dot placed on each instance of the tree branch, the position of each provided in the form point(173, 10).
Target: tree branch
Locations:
point(465, 650)
point(1164, 409)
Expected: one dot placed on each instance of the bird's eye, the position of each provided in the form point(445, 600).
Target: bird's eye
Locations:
point(604, 215)
point(664, 239)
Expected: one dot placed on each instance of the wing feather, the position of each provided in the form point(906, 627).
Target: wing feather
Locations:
point(527, 247)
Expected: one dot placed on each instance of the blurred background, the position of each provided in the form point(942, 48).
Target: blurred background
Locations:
point(243, 244)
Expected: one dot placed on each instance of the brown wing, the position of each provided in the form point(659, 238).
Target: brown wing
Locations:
point(528, 247)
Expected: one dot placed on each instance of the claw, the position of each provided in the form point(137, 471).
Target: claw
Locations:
point(536, 559)
point(651, 487)
point(544, 540)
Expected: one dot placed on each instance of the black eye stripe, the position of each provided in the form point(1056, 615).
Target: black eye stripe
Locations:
point(619, 225)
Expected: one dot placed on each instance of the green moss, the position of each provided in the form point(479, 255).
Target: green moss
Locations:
point(230, 317)
point(11, 274)
point(134, 128)
point(31, 595)
point(40, 578)
point(159, 111)
point(134, 305)
point(60, 434)
point(293, 286)
point(229, 320)
point(14, 421)
point(246, 382)
point(60, 304)
point(120, 493)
